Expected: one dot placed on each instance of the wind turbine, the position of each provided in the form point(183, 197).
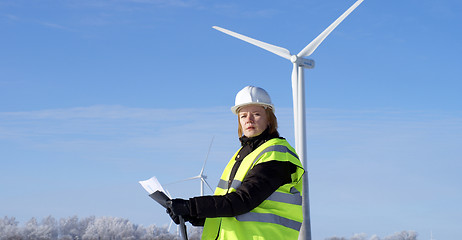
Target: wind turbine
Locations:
point(298, 93)
point(201, 175)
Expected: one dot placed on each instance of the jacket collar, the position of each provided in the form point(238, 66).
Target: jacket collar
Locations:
point(256, 141)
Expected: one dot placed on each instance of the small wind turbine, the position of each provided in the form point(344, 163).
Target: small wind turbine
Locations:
point(298, 93)
point(201, 175)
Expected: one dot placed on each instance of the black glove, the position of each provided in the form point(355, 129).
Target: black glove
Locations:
point(174, 217)
point(179, 207)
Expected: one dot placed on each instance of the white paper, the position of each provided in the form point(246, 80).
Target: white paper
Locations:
point(152, 185)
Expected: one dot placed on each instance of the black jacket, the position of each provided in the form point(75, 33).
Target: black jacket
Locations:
point(261, 181)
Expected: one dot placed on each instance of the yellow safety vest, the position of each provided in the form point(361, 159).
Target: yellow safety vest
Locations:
point(280, 216)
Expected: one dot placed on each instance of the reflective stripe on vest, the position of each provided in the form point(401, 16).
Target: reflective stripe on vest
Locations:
point(275, 148)
point(269, 218)
point(292, 198)
point(224, 184)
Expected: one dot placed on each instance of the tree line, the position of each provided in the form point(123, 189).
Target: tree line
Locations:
point(89, 228)
point(403, 235)
point(113, 228)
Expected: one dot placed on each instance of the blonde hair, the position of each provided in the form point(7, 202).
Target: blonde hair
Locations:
point(272, 122)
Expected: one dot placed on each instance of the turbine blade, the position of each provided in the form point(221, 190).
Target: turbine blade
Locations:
point(309, 49)
point(168, 193)
point(206, 157)
point(272, 48)
point(184, 180)
point(203, 180)
point(170, 225)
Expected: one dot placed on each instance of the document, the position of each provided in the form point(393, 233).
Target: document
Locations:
point(156, 191)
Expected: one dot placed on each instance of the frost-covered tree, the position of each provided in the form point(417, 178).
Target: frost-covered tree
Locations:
point(110, 228)
point(374, 237)
point(154, 232)
point(336, 238)
point(71, 228)
point(103, 228)
point(9, 229)
point(30, 229)
point(195, 233)
point(47, 229)
point(359, 236)
point(403, 235)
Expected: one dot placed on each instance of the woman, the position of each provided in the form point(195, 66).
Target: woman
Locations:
point(259, 193)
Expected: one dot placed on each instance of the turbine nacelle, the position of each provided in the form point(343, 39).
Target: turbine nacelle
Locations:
point(302, 62)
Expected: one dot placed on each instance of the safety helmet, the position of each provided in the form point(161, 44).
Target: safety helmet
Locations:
point(251, 95)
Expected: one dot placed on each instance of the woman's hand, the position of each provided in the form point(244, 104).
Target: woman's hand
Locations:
point(179, 207)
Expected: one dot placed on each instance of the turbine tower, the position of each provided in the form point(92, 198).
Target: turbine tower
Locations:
point(298, 93)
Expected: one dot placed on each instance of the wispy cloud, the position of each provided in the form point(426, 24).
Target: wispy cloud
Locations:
point(134, 4)
point(10, 17)
point(54, 25)
point(354, 128)
point(112, 126)
point(48, 24)
point(173, 3)
point(233, 10)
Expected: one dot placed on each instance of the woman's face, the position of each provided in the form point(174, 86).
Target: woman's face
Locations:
point(253, 120)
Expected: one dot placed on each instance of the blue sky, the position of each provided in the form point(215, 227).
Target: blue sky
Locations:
point(97, 95)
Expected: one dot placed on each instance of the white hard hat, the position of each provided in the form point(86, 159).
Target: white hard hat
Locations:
point(251, 95)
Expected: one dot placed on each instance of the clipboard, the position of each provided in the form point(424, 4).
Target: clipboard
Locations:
point(157, 192)
point(160, 197)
